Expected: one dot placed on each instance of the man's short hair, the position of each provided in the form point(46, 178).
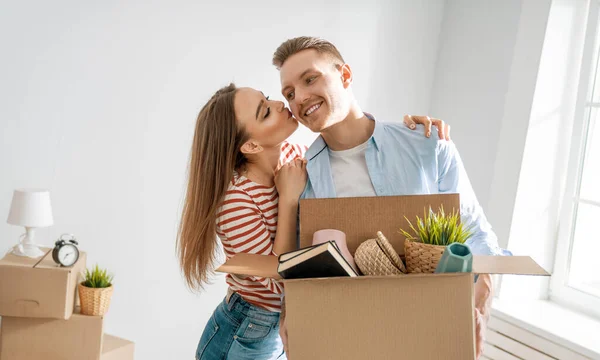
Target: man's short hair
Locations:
point(295, 45)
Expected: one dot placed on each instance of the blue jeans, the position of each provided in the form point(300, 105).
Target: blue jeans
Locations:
point(239, 330)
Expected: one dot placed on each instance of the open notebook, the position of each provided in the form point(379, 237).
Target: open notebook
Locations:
point(323, 260)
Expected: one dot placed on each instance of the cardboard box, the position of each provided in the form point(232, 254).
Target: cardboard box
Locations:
point(78, 338)
point(38, 288)
point(115, 348)
point(416, 316)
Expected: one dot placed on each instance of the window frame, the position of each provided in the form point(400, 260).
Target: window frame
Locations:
point(560, 291)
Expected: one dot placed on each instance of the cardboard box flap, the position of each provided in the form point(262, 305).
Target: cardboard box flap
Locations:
point(361, 217)
point(43, 262)
point(266, 265)
point(518, 265)
point(15, 260)
point(252, 265)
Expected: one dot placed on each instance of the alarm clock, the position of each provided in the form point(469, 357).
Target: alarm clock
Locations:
point(65, 252)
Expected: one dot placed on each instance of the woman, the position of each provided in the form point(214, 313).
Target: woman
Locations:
point(244, 185)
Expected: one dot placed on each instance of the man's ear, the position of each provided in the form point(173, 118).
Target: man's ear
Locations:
point(250, 147)
point(346, 75)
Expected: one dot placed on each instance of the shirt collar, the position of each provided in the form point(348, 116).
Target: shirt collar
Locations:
point(319, 144)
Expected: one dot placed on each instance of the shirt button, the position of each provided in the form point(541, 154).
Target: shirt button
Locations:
point(250, 325)
point(235, 337)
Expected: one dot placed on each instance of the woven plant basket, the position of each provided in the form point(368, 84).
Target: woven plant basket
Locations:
point(377, 257)
point(94, 301)
point(422, 258)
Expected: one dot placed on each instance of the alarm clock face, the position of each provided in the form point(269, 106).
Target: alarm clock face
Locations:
point(68, 255)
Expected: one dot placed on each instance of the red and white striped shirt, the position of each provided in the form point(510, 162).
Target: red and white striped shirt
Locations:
point(247, 222)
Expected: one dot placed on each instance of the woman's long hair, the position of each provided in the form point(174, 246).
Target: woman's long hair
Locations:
point(214, 156)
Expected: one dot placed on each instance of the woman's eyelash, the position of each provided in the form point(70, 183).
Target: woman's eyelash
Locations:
point(268, 109)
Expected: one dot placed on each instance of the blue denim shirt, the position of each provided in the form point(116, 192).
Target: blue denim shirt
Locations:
point(405, 162)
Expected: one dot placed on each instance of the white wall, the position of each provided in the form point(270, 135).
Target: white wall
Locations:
point(484, 84)
point(99, 103)
point(473, 66)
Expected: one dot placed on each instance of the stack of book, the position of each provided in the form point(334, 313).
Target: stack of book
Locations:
point(323, 260)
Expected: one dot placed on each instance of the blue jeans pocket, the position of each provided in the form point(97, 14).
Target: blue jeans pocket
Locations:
point(253, 331)
point(255, 341)
point(240, 333)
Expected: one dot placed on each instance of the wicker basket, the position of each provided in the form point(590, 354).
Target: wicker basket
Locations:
point(422, 258)
point(377, 257)
point(94, 301)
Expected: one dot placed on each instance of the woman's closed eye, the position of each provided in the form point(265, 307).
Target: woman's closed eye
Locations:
point(268, 112)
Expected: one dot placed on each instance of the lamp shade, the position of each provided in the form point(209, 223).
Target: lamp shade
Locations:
point(30, 208)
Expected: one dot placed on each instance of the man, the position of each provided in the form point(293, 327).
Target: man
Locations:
point(382, 158)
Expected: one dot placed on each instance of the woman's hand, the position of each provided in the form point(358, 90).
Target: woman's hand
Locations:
point(290, 180)
point(442, 127)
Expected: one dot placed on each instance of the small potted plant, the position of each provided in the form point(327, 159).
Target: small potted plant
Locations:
point(426, 243)
point(95, 291)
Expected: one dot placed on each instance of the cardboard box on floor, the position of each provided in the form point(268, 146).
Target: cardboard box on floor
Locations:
point(38, 288)
point(115, 348)
point(416, 316)
point(79, 338)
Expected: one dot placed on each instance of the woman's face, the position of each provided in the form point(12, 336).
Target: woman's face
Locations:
point(267, 122)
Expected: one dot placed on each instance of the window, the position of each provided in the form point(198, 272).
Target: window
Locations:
point(576, 278)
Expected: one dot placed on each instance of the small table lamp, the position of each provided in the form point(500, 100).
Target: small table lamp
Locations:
point(30, 208)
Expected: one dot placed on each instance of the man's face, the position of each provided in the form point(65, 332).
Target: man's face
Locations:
point(315, 89)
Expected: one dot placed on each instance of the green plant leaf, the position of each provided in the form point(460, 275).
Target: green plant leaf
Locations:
point(97, 278)
point(438, 228)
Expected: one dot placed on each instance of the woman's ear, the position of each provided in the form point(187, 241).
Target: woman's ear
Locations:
point(250, 147)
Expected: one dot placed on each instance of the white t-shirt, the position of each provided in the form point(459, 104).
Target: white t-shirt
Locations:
point(350, 173)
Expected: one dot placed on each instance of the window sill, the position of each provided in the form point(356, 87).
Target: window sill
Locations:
point(556, 323)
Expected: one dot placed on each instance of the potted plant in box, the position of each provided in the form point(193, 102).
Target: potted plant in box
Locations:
point(426, 243)
point(95, 292)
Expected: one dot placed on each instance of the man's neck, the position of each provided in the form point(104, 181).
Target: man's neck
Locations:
point(354, 130)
